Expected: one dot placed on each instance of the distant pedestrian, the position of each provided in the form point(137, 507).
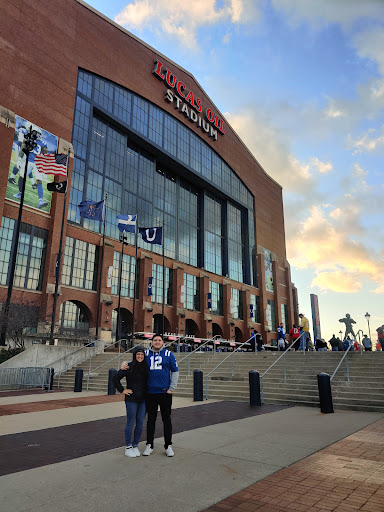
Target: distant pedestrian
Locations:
point(281, 337)
point(321, 345)
point(304, 324)
point(347, 343)
point(252, 341)
point(380, 336)
point(367, 344)
point(295, 334)
point(334, 342)
point(259, 341)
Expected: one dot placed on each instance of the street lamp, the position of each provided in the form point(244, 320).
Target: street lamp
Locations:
point(341, 334)
point(368, 316)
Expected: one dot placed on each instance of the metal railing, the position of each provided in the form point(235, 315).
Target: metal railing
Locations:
point(277, 360)
point(21, 378)
point(190, 353)
point(345, 356)
point(223, 361)
point(98, 350)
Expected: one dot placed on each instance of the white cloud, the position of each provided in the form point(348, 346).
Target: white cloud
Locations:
point(367, 142)
point(182, 20)
point(341, 263)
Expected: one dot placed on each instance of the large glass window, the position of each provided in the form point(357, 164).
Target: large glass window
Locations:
point(235, 245)
point(30, 254)
point(216, 290)
point(127, 275)
point(73, 318)
point(108, 162)
point(255, 303)
point(237, 304)
point(157, 284)
point(192, 292)
point(284, 316)
point(213, 235)
point(79, 264)
point(271, 317)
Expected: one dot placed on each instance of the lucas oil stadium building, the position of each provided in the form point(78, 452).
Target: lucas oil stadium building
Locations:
point(147, 139)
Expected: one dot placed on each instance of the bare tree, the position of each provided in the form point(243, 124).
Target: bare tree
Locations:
point(22, 319)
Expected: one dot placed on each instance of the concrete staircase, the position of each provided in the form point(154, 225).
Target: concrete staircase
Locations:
point(293, 380)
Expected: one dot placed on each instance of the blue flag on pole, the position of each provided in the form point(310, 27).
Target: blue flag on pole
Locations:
point(152, 235)
point(126, 223)
point(91, 210)
point(150, 279)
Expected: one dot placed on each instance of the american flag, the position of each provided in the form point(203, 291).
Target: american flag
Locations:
point(52, 164)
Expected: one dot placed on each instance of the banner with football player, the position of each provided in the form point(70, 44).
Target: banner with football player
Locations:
point(37, 195)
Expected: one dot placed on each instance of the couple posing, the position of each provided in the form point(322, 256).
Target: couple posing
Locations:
point(151, 379)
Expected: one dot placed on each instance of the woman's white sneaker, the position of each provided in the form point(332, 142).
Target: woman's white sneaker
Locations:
point(169, 452)
point(129, 452)
point(136, 451)
point(148, 450)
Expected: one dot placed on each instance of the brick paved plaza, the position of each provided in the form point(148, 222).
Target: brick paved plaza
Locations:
point(66, 449)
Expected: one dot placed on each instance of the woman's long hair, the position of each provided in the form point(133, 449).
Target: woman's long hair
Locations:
point(139, 367)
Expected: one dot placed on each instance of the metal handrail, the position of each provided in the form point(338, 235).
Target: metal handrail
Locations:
point(58, 374)
point(273, 364)
point(190, 353)
point(74, 352)
point(229, 355)
point(346, 362)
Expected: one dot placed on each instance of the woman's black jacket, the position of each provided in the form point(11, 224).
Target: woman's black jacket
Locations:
point(137, 381)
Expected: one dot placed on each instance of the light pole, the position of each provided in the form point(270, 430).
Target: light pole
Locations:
point(341, 334)
point(368, 316)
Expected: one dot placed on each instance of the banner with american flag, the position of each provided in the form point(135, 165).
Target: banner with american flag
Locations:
point(52, 164)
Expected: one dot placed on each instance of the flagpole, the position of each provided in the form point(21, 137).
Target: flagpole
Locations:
point(163, 237)
point(58, 261)
point(30, 144)
point(118, 326)
point(101, 270)
point(135, 282)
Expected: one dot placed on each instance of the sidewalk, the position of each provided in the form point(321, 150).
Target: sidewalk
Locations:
point(228, 456)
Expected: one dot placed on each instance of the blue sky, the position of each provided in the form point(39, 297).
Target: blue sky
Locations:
point(308, 77)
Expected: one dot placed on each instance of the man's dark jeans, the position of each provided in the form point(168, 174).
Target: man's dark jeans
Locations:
point(164, 400)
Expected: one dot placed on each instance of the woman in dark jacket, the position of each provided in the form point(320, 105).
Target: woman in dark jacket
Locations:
point(136, 377)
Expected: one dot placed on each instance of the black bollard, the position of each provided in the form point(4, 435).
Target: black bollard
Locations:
point(78, 380)
point(325, 392)
point(198, 387)
point(254, 388)
point(111, 387)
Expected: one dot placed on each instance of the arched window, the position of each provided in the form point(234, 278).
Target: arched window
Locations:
point(74, 318)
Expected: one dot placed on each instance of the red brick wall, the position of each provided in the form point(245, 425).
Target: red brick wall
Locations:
point(40, 57)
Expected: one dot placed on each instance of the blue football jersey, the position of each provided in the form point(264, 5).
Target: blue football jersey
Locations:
point(160, 365)
point(37, 150)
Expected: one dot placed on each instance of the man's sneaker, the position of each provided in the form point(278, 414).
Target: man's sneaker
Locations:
point(12, 180)
point(129, 452)
point(34, 186)
point(41, 204)
point(137, 451)
point(18, 195)
point(148, 450)
point(169, 452)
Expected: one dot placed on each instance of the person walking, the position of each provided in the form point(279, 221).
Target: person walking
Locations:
point(295, 334)
point(304, 324)
point(162, 381)
point(334, 342)
point(281, 337)
point(259, 341)
point(252, 341)
point(367, 344)
point(380, 336)
point(134, 395)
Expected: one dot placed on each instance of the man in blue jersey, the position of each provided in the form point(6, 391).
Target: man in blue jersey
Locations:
point(162, 381)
